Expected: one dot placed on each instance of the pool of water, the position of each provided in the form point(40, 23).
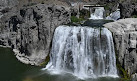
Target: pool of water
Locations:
point(13, 70)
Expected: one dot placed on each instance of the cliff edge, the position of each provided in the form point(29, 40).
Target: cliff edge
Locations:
point(125, 40)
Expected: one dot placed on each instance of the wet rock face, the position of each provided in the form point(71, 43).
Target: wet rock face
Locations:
point(30, 30)
point(125, 39)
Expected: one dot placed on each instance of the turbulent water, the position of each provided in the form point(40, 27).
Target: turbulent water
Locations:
point(98, 14)
point(85, 52)
point(114, 16)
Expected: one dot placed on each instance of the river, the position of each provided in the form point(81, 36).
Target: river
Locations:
point(13, 70)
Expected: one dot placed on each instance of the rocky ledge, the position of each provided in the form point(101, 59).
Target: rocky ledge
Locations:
point(125, 40)
point(29, 30)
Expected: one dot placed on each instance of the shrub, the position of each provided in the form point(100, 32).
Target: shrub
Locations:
point(75, 19)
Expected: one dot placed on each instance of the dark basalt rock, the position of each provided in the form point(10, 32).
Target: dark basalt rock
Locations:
point(29, 30)
point(128, 9)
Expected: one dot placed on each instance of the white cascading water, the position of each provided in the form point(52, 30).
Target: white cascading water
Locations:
point(83, 51)
point(114, 16)
point(98, 14)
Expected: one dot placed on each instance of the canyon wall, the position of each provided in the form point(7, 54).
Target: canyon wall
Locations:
point(29, 30)
point(28, 27)
point(125, 40)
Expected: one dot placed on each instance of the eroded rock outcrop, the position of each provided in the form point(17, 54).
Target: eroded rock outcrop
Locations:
point(128, 8)
point(125, 39)
point(30, 29)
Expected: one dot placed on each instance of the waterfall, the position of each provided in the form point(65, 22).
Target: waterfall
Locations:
point(83, 51)
point(114, 16)
point(98, 14)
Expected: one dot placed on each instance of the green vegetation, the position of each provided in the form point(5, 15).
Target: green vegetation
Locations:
point(42, 2)
point(28, 79)
point(74, 19)
point(83, 15)
point(106, 7)
point(134, 16)
point(125, 76)
point(122, 72)
point(46, 61)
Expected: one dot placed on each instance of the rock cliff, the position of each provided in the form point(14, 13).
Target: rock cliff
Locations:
point(125, 40)
point(29, 30)
point(128, 8)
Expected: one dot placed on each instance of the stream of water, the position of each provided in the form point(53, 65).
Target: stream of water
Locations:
point(13, 70)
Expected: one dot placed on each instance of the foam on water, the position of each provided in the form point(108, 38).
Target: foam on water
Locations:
point(98, 14)
point(82, 51)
